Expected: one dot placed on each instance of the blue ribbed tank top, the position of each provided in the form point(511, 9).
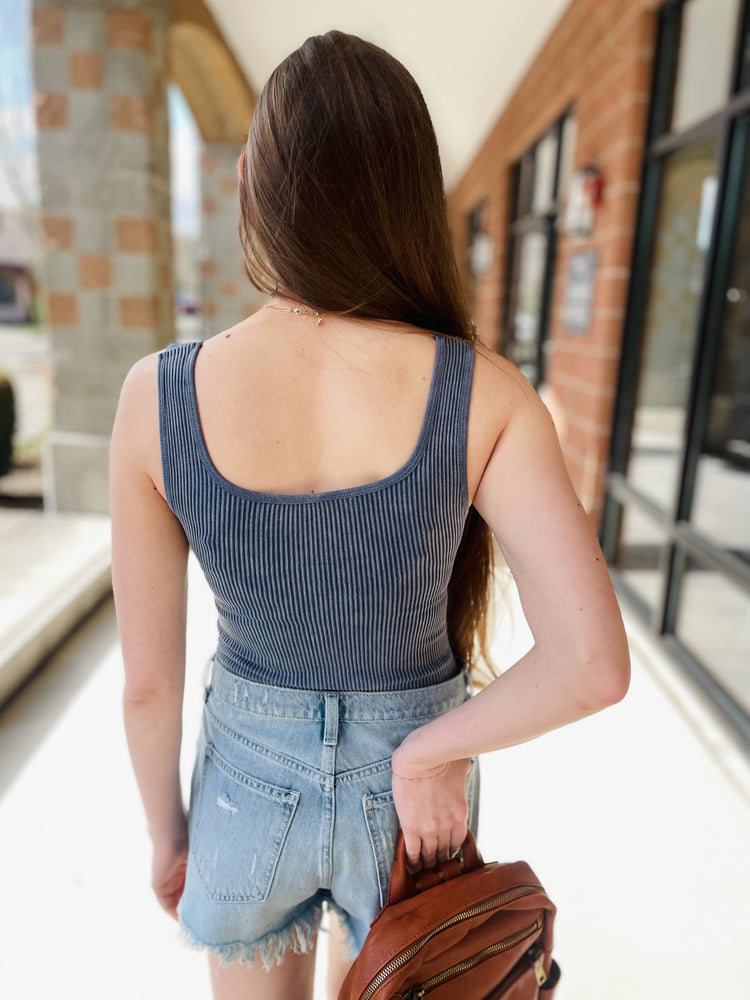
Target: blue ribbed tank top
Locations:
point(338, 590)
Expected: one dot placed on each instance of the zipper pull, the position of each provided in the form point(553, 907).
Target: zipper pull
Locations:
point(541, 975)
point(536, 958)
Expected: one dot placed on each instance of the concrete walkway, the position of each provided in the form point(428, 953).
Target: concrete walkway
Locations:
point(637, 820)
point(54, 568)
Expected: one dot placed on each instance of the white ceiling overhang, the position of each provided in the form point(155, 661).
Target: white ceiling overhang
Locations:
point(467, 58)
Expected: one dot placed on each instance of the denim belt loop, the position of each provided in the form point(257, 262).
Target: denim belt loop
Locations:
point(208, 672)
point(331, 732)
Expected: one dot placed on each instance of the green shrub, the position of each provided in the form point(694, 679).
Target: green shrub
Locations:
point(7, 424)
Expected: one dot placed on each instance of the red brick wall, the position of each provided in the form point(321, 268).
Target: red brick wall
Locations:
point(599, 60)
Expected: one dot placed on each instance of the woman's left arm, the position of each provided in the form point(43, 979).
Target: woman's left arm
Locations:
point(579, 662)
point(149, 579)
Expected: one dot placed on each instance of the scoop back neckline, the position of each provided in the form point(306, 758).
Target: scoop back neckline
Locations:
point(347, 491)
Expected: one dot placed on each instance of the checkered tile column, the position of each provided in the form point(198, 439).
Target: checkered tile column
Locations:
point(227, 294)
point(103, 144)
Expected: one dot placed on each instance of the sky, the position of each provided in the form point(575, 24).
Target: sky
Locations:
point(17, 139)
point(184, 154)
point(18, 169)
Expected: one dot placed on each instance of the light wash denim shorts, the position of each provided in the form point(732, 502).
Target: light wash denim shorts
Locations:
point(291, 811)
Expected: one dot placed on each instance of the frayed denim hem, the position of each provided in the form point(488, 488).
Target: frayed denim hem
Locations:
point(299, 935)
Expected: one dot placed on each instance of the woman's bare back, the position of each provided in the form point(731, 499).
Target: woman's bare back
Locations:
point(287, 407)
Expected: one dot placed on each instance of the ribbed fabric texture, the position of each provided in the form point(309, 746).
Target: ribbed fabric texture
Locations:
point(340, 590)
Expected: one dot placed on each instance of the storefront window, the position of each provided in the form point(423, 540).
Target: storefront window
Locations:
point(676, 280)
point(704, 64)
point(721, 507)
point(567, 154)
point(676, 529)
point(531, 251)
point(541, 177)
point(525, 190)
point(639, 556)
point(714, 624)
point(745, 58)
point(544, 174)
point(476, 225)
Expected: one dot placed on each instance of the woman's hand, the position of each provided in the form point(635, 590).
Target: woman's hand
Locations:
point(168, 874)
point(432, 810)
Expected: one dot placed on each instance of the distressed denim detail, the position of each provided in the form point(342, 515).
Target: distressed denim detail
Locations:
point(235, 856)
point(298, 934)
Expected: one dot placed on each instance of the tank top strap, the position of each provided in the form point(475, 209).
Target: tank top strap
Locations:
point(450, 417)
point(179, 457)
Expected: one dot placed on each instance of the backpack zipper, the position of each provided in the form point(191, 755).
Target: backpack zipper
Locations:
point(470, 963)
point(488, 904)
point(536, 960)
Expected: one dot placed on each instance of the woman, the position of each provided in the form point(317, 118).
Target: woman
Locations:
point(339, 461)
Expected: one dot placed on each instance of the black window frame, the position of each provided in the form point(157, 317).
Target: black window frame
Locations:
point(730, 126)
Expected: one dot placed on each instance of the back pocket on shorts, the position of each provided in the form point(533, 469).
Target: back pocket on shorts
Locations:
point(382, 825)
point(238, 831)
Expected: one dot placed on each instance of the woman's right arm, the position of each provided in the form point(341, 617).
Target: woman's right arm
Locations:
point(579, 663)
point(149, 578)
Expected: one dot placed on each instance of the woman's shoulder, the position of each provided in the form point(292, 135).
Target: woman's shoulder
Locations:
point(139, 396)
point(143, 376)
point(501, 397)
point(499, 388)
point(136, 436)
point(141, 379)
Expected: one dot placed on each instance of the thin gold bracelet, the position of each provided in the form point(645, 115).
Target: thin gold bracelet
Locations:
point(426, 777)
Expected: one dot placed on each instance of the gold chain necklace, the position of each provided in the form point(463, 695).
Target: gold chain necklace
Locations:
point(298, 311)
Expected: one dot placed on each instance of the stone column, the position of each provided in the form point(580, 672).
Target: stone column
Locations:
point(226, 294)
point(103, 146)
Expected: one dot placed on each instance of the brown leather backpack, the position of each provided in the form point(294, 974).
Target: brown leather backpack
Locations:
point(465, 930)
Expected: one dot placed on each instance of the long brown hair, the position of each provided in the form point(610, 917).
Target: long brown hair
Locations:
point(342, 207)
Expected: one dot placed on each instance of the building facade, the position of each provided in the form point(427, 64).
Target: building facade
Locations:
point(101, 72)
point(604, 234)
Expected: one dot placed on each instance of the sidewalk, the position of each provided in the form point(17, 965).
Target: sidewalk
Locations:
point(637, 820)
point(54, 568)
